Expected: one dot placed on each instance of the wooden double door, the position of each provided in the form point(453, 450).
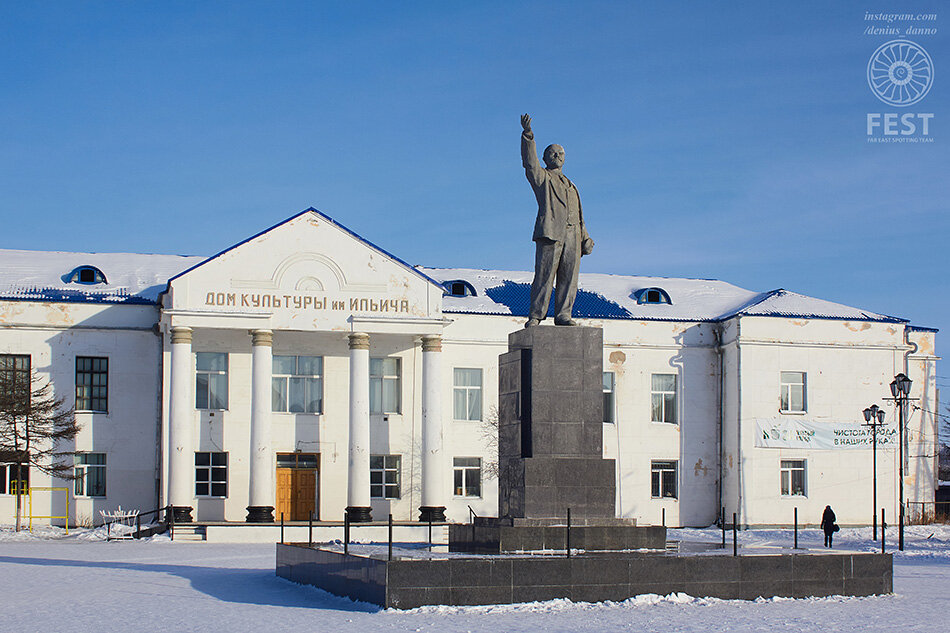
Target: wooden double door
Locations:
point(298, 476)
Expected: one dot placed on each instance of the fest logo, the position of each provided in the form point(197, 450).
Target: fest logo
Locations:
point(900, 73)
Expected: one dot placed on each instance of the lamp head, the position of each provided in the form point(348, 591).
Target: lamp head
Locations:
point(903, 384)
point(880, 416)
point(894, 388)
point(867, 414)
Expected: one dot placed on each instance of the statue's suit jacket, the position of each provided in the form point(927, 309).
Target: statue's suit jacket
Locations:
point(551, 194)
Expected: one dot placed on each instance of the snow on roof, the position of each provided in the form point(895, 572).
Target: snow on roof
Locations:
point(136, 278)
point(130, 277)
point(614, 297)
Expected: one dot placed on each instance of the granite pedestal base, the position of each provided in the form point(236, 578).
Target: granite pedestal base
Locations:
point(406, 583)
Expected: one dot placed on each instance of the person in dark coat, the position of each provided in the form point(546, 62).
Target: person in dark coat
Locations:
point(828, 524)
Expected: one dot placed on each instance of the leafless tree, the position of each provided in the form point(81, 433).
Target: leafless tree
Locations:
point(34, 425)
point(489, 429)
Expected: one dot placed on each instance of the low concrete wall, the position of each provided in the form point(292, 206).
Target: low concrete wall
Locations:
point(409, 583)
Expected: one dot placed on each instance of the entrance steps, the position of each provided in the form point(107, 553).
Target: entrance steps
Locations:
point(190, 532)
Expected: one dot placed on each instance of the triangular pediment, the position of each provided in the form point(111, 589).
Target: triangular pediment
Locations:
point(308, 272)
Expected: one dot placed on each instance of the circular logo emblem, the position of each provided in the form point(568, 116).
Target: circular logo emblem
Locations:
point(900, 73)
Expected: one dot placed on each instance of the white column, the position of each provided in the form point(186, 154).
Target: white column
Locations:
point(357, 493)
point(181, 445)
point(433, 462)
point(261, 473)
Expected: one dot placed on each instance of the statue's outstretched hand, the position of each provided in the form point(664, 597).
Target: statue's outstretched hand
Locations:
point(526, 122)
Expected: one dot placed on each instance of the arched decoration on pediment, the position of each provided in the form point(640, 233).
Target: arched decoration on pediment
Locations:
point(329, 276)
point(309, 283)
point(336, 273)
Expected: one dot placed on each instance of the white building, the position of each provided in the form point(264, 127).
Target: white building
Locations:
point(306, 369)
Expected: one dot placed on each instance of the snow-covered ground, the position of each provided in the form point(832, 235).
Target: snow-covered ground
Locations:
point(80, 583)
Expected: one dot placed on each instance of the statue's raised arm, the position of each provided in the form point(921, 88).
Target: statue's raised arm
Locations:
point(526, 122)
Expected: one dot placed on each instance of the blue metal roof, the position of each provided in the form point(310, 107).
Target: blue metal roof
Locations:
point(69, 295)
point(588, 305)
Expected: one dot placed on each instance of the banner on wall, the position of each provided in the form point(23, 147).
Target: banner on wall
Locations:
point(791, 433)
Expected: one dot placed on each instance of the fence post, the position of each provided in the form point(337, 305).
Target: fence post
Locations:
point(390, 536)
point(310, 530)
point(663, 515)
point(796, 528)
point(138, 526)
point(722, 522)
point(430, 531)
point(281, 528)
point(883, 527)
point(346, 533)
point(171, 523)
point(900, 529)
point(735, 535)
point(568, 533)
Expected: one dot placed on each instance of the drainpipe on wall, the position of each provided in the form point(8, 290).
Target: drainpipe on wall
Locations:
point(159, 437)
point(739, 420)
point(718, 333)
point(913, 350)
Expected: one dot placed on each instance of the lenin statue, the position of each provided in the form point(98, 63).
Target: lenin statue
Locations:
point(559, 232)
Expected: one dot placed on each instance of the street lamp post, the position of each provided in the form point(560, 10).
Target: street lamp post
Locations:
point(900, 389)
point(874, 417)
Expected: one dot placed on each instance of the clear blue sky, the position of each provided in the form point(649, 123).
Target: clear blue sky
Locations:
point(722, 140)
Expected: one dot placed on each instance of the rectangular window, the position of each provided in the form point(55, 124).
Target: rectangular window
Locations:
point(793, 477)
point(384, 476)
point(793, 392)
point(9, 481)
point(663, 398)
point(663, 480)
point(468, 476)
point(92, 383)
point(468, 394)
point(211, 474)
point(90, 473)
point(211, 381)
point(297, 384)
point(609, 402)
point(384, 385)
point(14, 382)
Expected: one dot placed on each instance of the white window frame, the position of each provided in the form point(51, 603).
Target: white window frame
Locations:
point(662, 471)
point(467, 393)
point(463, 471)
point(377, 386)
point(391, 465)
point(664, 394)
point(82, 469)
point(787, 468)
point(610, 397)
point(309, 382)
point(209, 375)
point(211, 474)
point(785, 391)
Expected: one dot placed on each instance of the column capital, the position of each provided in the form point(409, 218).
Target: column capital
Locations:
point(262, 338)
point(431, 343)
point(181, 335)
point(359, 340)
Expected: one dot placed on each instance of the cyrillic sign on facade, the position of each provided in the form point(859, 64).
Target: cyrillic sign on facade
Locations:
point(790, 433)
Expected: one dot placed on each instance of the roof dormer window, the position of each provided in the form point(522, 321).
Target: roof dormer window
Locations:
point(652, 295)
point(459, 288)
point(88, 275)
